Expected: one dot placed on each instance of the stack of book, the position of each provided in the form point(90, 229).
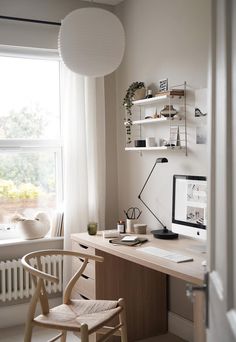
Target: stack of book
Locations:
point(58, 224)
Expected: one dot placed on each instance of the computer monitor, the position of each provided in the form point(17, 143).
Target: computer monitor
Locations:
point(189, 206)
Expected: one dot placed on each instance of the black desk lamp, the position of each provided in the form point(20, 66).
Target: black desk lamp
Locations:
point(161, 233)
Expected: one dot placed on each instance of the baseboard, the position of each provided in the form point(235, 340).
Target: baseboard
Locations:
point(180, 327)
point(13, 315)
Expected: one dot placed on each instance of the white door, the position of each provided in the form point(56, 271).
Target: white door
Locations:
point(222, 175)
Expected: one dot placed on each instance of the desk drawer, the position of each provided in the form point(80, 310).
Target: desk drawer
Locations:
point(86, 287)
point(81, 248)
point(89, 270)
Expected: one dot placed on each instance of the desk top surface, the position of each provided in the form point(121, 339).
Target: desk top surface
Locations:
point(191, 271)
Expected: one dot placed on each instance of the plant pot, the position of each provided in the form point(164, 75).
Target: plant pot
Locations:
point(139, 94)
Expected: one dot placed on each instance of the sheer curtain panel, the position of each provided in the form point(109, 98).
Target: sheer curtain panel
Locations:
point(83, 112)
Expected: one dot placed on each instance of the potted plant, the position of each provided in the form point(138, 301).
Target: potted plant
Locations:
point(135, 91)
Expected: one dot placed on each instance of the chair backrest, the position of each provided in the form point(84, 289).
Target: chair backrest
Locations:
point(39, 276)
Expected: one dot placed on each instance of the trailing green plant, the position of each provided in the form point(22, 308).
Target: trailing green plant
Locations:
point(130, 92)
point(128, 103)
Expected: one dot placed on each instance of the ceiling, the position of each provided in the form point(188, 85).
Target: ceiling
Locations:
point(107, 2)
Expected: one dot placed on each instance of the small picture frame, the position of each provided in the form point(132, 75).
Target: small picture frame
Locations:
point(163, 85)
point(201, 135)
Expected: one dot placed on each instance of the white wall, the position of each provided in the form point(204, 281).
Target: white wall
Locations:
point(35, 35)
point(164, 38)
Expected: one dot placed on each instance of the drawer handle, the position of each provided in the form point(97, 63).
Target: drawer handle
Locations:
point(82, 260)
point(83, 296)
point(84, 276)
point(83, 246)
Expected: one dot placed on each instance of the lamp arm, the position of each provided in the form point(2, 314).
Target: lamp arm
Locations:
point(139, 196)
point(164, 227)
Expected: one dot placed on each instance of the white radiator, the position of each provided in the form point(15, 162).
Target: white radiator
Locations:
point(16, 283)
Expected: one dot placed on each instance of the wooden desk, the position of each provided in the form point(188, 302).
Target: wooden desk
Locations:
point(138, 277)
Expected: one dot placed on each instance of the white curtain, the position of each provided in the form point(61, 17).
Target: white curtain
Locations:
point(83, 113)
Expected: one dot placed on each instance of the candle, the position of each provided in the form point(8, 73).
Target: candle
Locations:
point(92, 228)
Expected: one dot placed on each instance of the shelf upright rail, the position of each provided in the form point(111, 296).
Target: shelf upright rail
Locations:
point(185, 119)
point(174, 127)
point(140, 126)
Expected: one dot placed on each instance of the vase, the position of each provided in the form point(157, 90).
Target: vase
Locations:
point(168, 110)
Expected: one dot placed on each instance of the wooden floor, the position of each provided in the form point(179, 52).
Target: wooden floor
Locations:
point(16, 334)
point(164, 338)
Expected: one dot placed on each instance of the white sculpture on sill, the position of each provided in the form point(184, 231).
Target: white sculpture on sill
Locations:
point(32, 228)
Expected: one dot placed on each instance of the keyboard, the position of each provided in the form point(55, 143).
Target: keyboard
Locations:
point(162, 253)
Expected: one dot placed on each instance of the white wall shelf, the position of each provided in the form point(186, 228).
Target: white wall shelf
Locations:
point(156, 148)
point(156, 121)
point(174, 131)
point(146, 102)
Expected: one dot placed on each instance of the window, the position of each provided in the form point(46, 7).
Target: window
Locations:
point(30, 137)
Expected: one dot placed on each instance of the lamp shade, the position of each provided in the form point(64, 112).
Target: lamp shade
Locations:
point(91, 42)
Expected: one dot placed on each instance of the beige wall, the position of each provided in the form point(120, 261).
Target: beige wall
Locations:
point(111, 214)
point(163, 39)
point(35, 35)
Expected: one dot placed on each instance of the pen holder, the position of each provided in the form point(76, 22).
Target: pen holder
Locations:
point(130, 225)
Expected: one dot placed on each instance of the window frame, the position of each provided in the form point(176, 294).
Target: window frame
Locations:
point(38, 145)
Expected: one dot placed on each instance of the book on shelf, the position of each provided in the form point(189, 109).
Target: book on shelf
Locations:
point(58, 224)
point(174, 92)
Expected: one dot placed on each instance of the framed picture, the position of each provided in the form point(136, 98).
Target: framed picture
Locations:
point(163, 85)
point(201, 135)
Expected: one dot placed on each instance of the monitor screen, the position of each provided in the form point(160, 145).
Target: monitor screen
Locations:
point(189, 209)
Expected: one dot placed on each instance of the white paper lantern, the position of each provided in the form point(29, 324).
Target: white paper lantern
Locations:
point(91, 42)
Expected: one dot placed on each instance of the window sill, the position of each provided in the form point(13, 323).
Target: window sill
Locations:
point(20, 241)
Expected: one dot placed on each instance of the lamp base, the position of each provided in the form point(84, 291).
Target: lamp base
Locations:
point(164, 234)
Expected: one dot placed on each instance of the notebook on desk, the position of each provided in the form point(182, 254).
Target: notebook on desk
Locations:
point(121, 241)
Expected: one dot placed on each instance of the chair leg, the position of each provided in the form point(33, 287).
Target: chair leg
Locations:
point(122, 317)
point(28, 332)
point(84, 336)
point(63, 337)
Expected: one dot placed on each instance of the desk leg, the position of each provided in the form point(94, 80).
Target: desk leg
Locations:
point(199, 331)
point(143, 289)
